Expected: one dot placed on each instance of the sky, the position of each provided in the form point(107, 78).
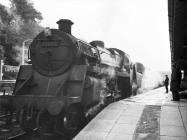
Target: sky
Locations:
point(138, 27)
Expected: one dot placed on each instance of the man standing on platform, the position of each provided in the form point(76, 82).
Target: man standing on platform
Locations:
point(166, 83)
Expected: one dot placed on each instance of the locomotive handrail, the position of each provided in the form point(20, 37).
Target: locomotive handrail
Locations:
point(85, 43)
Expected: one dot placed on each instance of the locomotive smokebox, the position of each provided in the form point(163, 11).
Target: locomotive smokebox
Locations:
point(65, 25)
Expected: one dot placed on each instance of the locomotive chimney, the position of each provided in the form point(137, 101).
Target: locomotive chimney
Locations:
point(65, 25)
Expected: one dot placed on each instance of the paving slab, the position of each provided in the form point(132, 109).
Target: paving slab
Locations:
point(170, 109)
point(117, 106)
point(127, 119)
point(132, 112)
point(172, 138)
point(91, 136)
point(184, 115)
point(171, 118)
point(171, 130)
point(100, 126)
point(115, 136)
point(123, 129)
point(171, 121)
point(108, 115)
point(167, 114)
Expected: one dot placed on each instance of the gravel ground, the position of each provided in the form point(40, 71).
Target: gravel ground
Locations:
point(149, 121)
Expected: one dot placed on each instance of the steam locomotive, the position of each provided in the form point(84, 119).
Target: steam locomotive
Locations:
point(68, 80)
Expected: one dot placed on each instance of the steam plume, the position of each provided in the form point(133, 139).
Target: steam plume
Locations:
point(150, 80)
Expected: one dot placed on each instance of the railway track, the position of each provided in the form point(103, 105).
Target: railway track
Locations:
point(9, 129)
point(13, 131)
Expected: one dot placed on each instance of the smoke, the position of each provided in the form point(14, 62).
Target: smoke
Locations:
point(1, 24)
point(18, 53)
point(104, 84)
point(150, 80)
point(109, 71)
point(16, 24)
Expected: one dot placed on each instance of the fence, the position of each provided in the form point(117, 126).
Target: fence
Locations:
point(7, 77)
point(8, 72)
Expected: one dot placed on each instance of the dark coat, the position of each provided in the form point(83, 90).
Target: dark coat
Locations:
point(166, 82)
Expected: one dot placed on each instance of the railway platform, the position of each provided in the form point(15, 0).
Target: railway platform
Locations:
point(148, 116)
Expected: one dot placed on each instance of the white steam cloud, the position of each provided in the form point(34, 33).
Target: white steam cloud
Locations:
point(150, 80)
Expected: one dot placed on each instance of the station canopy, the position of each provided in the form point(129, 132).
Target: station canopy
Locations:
point(177, 13)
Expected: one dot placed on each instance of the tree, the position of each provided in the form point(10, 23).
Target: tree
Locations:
point(5, 17)
point(1, 52)
point(20, 22)
point(26, 10)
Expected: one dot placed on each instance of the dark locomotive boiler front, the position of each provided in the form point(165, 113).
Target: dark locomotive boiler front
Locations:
point(52, 52)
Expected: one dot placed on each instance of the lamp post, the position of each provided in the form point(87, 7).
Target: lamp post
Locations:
point(23, 50)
